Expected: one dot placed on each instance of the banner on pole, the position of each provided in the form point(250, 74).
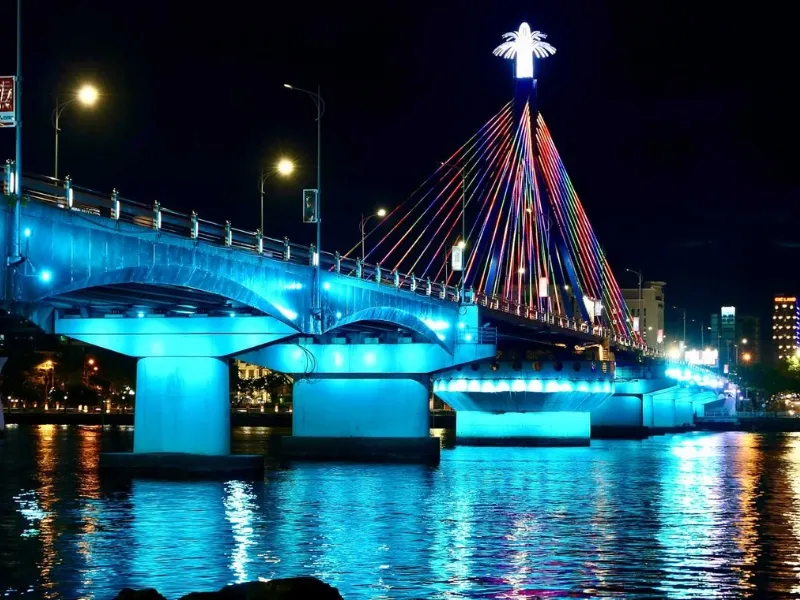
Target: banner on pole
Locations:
point(8, 90)
point(457, 258)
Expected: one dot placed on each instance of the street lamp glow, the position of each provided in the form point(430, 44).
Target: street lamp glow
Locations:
point(744, 341)
point(461, 244)
point(88, 95)
point(287, 86)
point(381, 212)
point(46, 276)
point(285, 166)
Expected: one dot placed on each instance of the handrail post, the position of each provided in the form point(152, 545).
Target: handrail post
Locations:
point(359, 268)
point(312, 254)
point(259, 242)
point(228, 234)
point(115, 204)
point(195, 231)
point(428, 287)
point(396, 279)
point(413, 283)
point(337, 261)
point(68, 194)
point(157, 215)
point(378, 273)
point(287, 249)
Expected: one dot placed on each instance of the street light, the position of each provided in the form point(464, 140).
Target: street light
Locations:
point(284, 168)
point(641, 308)
point(320, 104)
point(379, 214)
point(86, 95)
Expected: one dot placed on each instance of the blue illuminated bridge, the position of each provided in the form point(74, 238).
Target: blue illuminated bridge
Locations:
point(530, 341)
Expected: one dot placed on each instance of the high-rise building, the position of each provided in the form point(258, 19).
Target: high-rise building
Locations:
point(649, 313)
point(785, 326)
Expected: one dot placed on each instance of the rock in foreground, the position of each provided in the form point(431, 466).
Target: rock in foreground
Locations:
point(292, 588)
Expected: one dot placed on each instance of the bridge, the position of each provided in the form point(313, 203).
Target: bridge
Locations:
point(527, 336)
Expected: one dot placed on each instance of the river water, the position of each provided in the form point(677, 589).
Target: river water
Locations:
point(700, 515)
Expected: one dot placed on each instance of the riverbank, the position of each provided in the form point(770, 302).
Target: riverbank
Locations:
point(251, 419)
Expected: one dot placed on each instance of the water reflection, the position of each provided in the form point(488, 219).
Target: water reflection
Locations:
point(690, 516)
point(239, 508)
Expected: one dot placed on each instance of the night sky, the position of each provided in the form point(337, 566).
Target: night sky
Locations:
point(677, 125)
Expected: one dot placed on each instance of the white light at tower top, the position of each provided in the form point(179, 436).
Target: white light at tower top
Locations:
point(522, 45)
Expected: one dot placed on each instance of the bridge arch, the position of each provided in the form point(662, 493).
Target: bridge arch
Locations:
point(401, 318)
point(187, 277)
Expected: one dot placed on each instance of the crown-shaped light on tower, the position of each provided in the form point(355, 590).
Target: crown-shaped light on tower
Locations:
point(522, 45)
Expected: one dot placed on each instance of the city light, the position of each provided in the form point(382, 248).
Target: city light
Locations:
point(747, 357)
point(285, 166)
point(381, 212)
point(88, 95)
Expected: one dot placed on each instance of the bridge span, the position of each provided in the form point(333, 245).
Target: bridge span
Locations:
point(183, 295)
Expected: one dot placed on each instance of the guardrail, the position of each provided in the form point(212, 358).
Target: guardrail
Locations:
point(69, 196)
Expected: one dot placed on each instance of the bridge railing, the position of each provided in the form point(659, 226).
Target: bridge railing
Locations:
point(69, 196)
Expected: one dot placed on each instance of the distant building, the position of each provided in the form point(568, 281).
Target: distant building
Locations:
point(736, 337)
point(649, 312)
point(785, 326)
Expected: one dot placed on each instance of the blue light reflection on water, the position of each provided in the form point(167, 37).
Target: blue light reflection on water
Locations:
point(685, 516)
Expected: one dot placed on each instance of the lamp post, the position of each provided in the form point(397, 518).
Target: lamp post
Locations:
point(364, 220)
point(15, 242)
point(285, 167)
point(463, 242)
point(86, 95)
point(320, 104)
point(641, 308)
point(684, 326)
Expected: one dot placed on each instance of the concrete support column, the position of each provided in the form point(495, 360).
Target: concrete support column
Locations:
point(358, 417)
point(563, 428)
point(182, 423)
point(182, 405)
point(621, 416)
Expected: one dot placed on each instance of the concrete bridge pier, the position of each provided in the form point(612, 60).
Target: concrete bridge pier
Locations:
point(182, 406)
point(656, 407)
point(367, 418)
point(362, 401)
point(182, 415)
point(525, 404)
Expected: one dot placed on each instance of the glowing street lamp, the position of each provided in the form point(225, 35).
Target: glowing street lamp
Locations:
point(522, 45)
point(380, 213)
point(284, 168)
point(87, 95)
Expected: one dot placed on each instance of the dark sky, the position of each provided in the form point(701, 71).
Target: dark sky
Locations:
point(676, 123)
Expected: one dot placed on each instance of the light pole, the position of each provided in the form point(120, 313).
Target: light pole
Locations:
point(18, 150)
point(463, 243)
point(380, 214)
point(684, 326)
point(320, 104)
point(285, 167)
point(641, 307)
point(87, 96)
